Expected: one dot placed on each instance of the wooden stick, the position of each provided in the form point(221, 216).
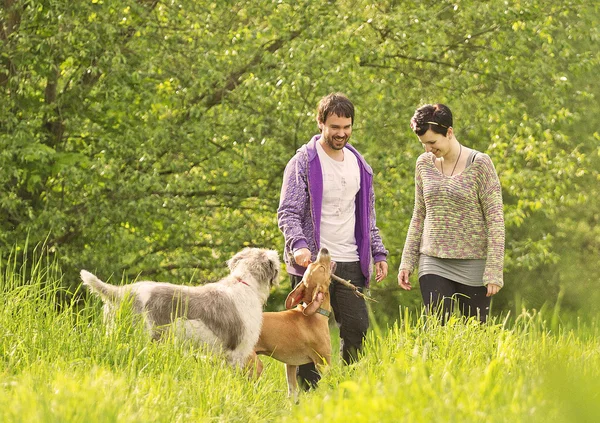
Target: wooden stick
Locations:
point(354, 288)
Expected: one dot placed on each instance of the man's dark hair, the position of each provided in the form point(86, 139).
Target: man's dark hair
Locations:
point(335, 103)
point(436, 117)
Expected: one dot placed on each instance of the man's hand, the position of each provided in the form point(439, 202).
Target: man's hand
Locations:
point(381, 270)
point(302, 257)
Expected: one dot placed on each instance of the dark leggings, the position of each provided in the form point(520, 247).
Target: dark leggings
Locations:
point(441, 294)
point(351, 316)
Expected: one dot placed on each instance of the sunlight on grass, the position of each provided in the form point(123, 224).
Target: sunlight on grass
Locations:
point(60, 363)
point(466, 372)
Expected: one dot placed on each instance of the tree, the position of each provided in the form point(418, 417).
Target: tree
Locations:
point(149, 137)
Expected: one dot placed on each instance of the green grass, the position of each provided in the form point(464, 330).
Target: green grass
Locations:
point(60, 364)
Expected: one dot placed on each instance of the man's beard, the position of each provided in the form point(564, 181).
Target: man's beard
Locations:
point(336, 145)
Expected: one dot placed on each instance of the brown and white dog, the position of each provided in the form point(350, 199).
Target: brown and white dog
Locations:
point(300, 335)
point(225, 315)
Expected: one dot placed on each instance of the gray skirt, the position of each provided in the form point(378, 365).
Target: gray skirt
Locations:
point(465, 271)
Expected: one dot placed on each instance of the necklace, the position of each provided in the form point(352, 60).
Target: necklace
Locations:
point(457, 159)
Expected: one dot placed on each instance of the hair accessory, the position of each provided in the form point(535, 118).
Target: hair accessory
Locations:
point(438, 124)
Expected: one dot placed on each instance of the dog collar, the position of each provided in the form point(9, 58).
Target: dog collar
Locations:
point(241, 281)
point(324, 312)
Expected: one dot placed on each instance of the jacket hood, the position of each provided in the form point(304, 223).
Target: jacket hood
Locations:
point(310, 149)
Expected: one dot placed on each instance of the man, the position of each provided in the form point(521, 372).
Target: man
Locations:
point(327, 200)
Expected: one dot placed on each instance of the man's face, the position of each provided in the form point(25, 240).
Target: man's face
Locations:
point(336, 131)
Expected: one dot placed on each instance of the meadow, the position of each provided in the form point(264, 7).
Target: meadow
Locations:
point(60, 364)
point(147, 137)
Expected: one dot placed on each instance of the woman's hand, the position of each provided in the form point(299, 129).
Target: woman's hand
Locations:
point(403, 280)
point(492, 289)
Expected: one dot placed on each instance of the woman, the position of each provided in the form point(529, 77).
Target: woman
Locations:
point(456, 234)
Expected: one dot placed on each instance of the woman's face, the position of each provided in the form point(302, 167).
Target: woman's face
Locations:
point(435, 143)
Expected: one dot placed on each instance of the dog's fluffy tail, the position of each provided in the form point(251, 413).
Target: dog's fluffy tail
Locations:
point(104, 290)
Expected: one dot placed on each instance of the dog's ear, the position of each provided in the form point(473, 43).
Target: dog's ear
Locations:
point(233, 261)
point(315, 304)
point(294, 297)
point(273, 258)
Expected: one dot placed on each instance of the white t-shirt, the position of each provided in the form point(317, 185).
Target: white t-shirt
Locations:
point(341, 182)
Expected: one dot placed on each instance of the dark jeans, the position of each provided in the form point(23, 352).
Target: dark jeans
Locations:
point(351, 316)
point(440, 295)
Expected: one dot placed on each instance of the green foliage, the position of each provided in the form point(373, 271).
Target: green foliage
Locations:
point(149, 138)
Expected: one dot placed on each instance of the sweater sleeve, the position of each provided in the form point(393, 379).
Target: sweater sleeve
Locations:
point(378, 250)
point(410, 254)
point(490, 198)
point(293, 201)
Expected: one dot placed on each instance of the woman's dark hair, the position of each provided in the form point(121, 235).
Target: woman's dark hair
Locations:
point(436, 117)
point(335, 103)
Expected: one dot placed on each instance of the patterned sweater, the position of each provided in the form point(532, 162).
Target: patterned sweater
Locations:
point(457, 217)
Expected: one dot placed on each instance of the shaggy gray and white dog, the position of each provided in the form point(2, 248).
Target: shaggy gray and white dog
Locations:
point(226, 315)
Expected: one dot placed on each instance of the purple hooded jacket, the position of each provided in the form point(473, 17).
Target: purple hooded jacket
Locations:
point(299, 213)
